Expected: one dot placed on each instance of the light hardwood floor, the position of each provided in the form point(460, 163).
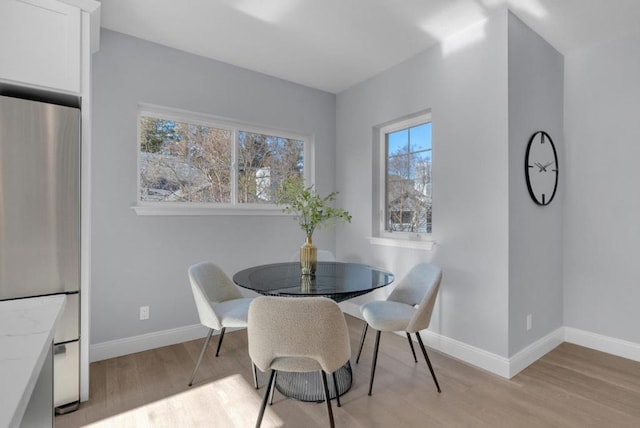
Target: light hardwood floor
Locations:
point(569, 387)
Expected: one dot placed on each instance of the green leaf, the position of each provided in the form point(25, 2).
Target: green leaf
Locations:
point(310, 210)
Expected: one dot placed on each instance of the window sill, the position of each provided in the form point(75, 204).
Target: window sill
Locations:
point(415, 244)
point(185, 210)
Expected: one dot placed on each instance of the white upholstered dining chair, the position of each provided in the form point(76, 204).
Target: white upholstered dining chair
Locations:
point(219, 303)
point(297, 334)
point(408, 308)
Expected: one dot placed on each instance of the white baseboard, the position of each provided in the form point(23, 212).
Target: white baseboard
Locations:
point(144, 342)
point(505, 367)
point(529, 355)
point(510, 367)
point(467, 353)
point(610, 345)
point(454, 348)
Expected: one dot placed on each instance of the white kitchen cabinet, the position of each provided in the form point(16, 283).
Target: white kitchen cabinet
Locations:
point(40, 44)
point(66, 368)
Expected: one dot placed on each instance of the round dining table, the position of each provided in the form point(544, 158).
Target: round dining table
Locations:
point(336, 280)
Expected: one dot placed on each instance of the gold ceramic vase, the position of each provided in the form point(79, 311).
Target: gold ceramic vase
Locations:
point(308, 258)
point(306, 283)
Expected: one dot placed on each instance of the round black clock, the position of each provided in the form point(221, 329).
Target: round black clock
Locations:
point(541, 168)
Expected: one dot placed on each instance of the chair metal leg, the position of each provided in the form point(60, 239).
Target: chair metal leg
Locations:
point(335, 385)
point(426, 357)
point(220, 340)
point(273, 388)
point(265, 398)
point(255, 375)
point(204, 348)
point(413, 351)
point(364, 334)
point(375, 360)
point(327, 398)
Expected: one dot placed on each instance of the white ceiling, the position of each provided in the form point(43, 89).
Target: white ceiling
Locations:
point(334, 44)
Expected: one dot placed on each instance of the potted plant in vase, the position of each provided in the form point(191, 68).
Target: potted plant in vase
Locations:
point(312, 212)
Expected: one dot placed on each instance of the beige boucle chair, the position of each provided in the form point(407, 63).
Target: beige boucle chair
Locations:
point(219, 303)
point(408, 308)
point(297, 334)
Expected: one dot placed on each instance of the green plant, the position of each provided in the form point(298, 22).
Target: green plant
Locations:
point(311, 210)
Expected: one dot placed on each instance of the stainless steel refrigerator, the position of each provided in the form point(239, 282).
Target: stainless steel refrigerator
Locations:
point(40, 222)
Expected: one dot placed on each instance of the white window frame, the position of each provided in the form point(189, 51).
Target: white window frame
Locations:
point(233, 207)
point(381, 236)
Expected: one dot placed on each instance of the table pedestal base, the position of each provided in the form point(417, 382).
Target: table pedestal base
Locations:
point(308, 386)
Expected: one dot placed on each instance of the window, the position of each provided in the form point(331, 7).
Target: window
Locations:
point(191, 160)
point(405, 180)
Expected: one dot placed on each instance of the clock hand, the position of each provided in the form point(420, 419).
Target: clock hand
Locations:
point(543, 168)
point(546, 165)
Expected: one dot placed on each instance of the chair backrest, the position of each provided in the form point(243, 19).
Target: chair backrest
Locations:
point(323, 256)
point(419, 288)
point(309, 327)
point(210, 285)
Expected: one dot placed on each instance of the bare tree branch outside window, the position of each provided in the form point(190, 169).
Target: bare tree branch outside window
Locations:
point(184, 162)
point(264, 163)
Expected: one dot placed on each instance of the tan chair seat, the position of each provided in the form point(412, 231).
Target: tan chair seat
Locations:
point(295, 364)
point(233, 313)
point(385, 315)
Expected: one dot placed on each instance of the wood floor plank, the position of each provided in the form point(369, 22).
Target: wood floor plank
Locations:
point(569, 387)
point(594, 389)
point(568, 409)
point(597, 365)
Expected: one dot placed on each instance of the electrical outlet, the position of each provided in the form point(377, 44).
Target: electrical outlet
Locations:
point(529, 321)
point(144, 312)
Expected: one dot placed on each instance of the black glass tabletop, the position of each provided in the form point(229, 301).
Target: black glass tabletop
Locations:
point(339, 281)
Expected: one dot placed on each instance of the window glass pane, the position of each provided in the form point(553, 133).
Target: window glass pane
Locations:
point(397, 142)
point(408, 180)
point(420, 137)
point(183, 162)
point(265, 161)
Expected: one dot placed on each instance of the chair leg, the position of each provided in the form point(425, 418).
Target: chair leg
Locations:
point(273, 389)
point(265, 399)
point(327, 398)
point(220, 340)
point(413, 351)
point(364, 334)
point(375, 360)
point(204, 348)
point(426, 357)
point(335, 385)
point(255, 375)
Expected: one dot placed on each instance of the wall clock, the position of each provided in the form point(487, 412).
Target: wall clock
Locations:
point(541, 168)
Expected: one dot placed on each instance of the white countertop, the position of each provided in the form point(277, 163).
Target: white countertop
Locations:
point(27, 327)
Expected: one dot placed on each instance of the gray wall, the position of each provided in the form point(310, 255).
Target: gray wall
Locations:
point(535, 233)
point(143, 260)
point(602, 198)
point(466, 89)
point(486, 97)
